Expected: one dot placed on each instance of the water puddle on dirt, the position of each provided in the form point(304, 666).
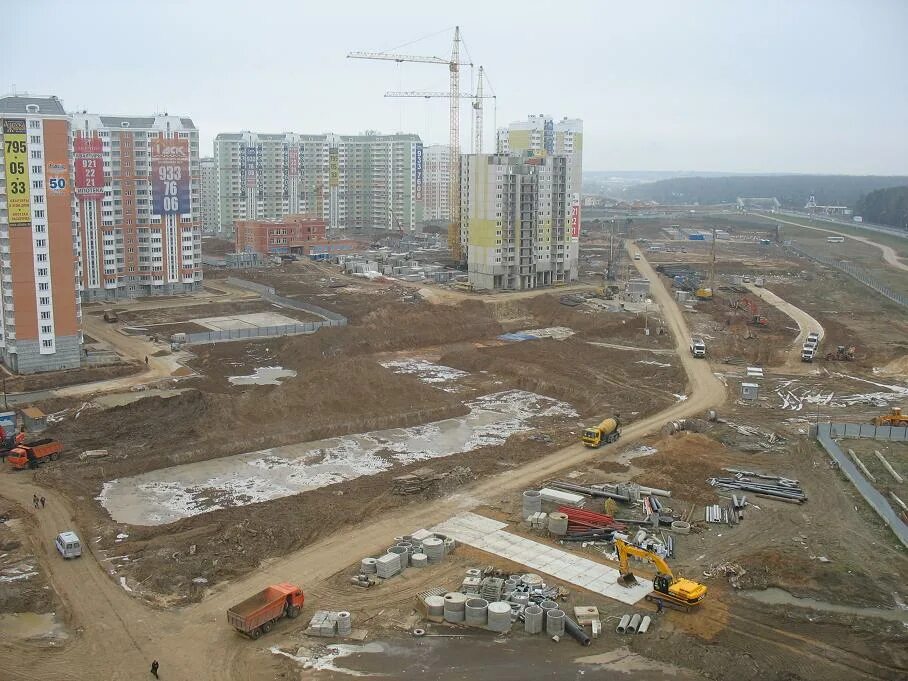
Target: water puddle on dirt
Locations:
point(323, 659)
point(775, 596)
point(425, 371)
point(263, 376)
point(168, 494)
point(29, 625)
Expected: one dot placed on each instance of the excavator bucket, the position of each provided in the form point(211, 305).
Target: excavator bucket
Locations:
point(627, 579)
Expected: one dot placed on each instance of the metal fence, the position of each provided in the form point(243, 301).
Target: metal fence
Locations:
point(268, 293)
point(258, 332)
point(853, 271)
point(825, 433)
point(867, 430)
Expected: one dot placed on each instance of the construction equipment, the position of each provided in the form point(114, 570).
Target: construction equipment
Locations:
point(606, 432)
point(704, 293)
point(453, 65)
point(110, 316)
point(895, 417)
point(841, 354)
point(677, 592)
point(10, 441)
point(698, 348)
point(257, 614)
point(30, 454)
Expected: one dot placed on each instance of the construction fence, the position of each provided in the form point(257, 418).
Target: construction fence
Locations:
point(268, 293)
point(852, 271)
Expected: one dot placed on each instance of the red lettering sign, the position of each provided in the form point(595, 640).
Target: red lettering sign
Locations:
point(89, 162)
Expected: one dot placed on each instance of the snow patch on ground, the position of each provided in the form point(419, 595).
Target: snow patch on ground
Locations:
point(325, 661)
point(263, 376)
point(653, 362)
point(680, 398)
point(168, 494)
point(124, 584)
point(425, 371)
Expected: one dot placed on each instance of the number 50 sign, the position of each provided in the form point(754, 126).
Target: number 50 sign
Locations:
point(170, 176)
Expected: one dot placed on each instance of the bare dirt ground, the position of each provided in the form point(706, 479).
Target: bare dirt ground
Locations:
point(58, 379)
point(317, 538)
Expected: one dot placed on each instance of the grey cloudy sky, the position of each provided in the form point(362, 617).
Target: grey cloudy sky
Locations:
point(761, 85)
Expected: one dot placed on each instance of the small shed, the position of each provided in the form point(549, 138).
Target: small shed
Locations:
point(750, 391)
point(33, 419)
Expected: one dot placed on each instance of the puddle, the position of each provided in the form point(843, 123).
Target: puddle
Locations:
point(425, 371)
point(325, 661)
point(25, 625)
point(775, 596)
point(166, 495)
point(263, 376)
point(623, 661)
point(119, 399)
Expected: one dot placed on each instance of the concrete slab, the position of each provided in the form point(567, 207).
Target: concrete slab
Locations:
point(489, 535)
point(253, 320)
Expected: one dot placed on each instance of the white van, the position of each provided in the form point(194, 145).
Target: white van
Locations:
point(68, 545)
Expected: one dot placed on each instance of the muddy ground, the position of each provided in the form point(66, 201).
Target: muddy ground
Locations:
point(23, 588)
point(51, 380)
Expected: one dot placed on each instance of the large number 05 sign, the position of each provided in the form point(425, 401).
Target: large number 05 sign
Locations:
point(170, 176)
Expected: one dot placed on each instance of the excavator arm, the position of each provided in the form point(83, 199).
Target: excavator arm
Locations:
point(625, 550)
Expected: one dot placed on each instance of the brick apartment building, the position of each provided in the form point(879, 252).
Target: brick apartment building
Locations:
point(287, 235)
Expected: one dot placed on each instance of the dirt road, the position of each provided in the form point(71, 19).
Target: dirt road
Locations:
point(889, 255)
point(805, 322)
point(118, 636)
point(440, 296)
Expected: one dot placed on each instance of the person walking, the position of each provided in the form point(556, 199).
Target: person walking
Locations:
point(146, 360)
point(35, 500)
point(43, 502)
point(154, 668)
point(660, 606)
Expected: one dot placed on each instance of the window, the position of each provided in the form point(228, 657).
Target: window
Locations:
point(35, 139)
point(36, 154)
point(34, 124)
point(39, 199)
point(37, 184)
point(44, 300)
point(47, 343)
point(43, 286)
point(42, 271)
point(42, 257)
point(40, 229)
point(45, 315)
point(36, 170)
point(39, 213)
point(41, 243)
point(47, 329)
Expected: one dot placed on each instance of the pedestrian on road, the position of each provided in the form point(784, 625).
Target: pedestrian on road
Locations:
point(154, 668)
point(35, 500)
point(146, 360)
point(43, 502)
point(660, 606)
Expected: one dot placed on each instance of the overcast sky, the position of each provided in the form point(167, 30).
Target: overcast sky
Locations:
point(755, 86)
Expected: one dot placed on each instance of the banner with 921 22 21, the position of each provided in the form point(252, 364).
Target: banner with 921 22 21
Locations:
point(170, 176)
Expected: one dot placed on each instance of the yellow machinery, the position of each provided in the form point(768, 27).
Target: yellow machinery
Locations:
point(677, 592)
point(895, 417)
point(704, 293)
point(607, 431)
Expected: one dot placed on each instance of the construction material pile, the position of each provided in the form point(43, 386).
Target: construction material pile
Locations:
point(416, 550)
point(494, 600)
point(753, 439)
point(762, 485)
point(329, 624)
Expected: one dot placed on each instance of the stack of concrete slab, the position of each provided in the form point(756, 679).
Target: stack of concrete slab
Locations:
point(387, 565)
point(560, 497)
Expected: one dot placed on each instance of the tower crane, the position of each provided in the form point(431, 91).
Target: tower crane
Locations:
point(477, 105)
point(454, 65)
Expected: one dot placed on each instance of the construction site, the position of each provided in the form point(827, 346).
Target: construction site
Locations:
point(451, 483)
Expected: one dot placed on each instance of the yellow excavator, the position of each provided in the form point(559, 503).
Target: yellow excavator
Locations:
point(895, 417)
point(675, 592)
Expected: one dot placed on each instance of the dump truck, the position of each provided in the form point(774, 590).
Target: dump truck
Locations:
point(257, 614)
point(607, 431)
point(9, 441)
point(808, 352)
point(895, 417)
point(698, 347)
point(30, 454)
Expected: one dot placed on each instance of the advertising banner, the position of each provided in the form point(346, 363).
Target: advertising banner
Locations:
point(18, 185)
point(333, 167)
point(418, 163)
point(249, 163)
point(575, 218)
point(170, 176)
point(89, 163)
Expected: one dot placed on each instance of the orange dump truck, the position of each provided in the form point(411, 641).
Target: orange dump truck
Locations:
point(30, 454)
point(256, 615)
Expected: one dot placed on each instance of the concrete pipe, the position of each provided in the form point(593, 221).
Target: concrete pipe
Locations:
point(680, 527)
point(367, 566)
point(634, 623)
point(532, 619)
point(419, 560)
point(644, 624)
point(558, 523)
point(476, 612)
point(402, 555)
point(622, 625)
point(554, 623)
point(499, 616)
point(344, 624)
point(435, 608)
point(532, 502)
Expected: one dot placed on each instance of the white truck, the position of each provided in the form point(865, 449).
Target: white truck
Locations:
point(698, 348)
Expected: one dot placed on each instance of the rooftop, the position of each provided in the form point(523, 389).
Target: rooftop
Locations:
point(17, 104)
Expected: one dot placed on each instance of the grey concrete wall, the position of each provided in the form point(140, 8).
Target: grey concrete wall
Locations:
point(29, 360)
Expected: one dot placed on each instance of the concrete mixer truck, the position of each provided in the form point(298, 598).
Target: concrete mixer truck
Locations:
point(607, 431)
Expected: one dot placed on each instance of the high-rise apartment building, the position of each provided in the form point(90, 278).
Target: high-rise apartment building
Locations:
point(40, 313)
point(515, 227)
point(542, 136)
point(138, 203)
point(209, 194)
point(351, 181)
point(437, 182)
